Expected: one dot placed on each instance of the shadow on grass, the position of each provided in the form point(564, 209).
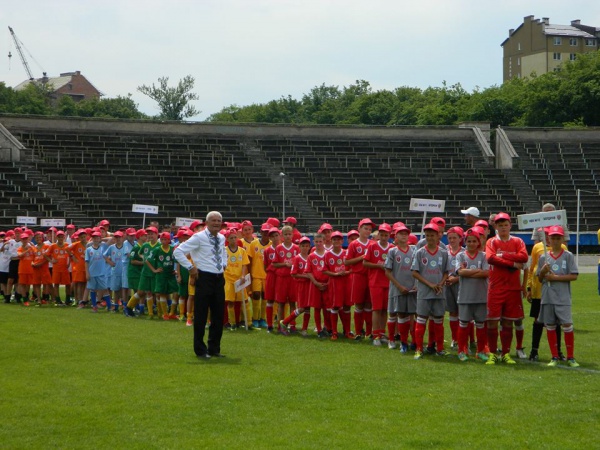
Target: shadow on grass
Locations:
point(215, 361)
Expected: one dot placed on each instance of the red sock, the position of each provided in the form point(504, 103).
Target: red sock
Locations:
point(305, 319)
point(318, 320)
point(333, 320)
point(463, 338)
point(358, 320)
point(454, 328)
point(368, 316)
point(345, 317)
point(481, 339)
point(326, 317)
point(519, 333)
point(430, 333)
point(552, 341)
point(291, 317)
point(411, 327)
point(492, 334)
point(569, 342)
point(506, 339)
point(269, 316)
point(439, 335)
point(419, 334)
point(404, 329)
point(472, 332)
point(391, 328)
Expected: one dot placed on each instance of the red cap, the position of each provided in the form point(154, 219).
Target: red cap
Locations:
point(274, 221)
point(501, 216)
point(386, 227)
point(431, 226)
point(246, 223)
point(140, 233)
point(439, 221)
point(195, 224)
point(28, 231)
point(70, 227)
point(398, 224)
point(51, 229)
point(24, 236)
point(96, 233)
point(118, 234)
point(291, 220)
point(456, 230)
point(180, 233)
point(482, 224)
point(60, 233)
point(165, 235)
point(130, 231)
point(555, 230)
point(151, 230)
point(303, 240)
point(81, 231)
point(366, 221)
point(399, 228)
point(188, 233)
point(10, 233)
point(337, 234)
point(475, 231)
point(412, 239)
point(274, 230)
point(104, 223)
point(324, 227)
point(265, 227)
point(88, 231)
point(39, 233)
point(353, 233)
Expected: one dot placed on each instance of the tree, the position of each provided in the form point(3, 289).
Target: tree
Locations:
point(173, 102)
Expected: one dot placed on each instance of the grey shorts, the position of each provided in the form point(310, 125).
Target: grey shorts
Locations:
point(552, 314)
point(403, 304)
point(451, 298)
point(431, 307)
point(472, 311)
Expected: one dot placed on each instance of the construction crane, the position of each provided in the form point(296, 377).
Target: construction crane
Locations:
point(20, 47)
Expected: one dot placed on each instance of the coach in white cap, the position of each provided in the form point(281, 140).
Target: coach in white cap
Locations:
point(471, 215)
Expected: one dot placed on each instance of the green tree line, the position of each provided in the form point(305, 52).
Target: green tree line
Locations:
point(567, 97)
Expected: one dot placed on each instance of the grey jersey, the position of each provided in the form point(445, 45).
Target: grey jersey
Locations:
point(558, 292)
point(472, 290)
point(400, 263)
point(432, 267)
point(423, 242)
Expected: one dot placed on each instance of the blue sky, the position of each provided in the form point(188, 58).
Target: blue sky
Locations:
point(252, 51)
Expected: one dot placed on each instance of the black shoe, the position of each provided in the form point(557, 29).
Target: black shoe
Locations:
point(430, 351)
point(203, 356)
point(216, 355)
point(533, 356)
point(561, 356)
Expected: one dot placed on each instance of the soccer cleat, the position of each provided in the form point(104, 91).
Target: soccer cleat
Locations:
point(283, 328)
point(561, 356)
point(507, 359)
point(553, 362)
point(572, 362)
point(533, 356)
point(521, 353)
point(94, 309)
point(453, 344)
point(429, 350)
point(492, 359)
point(334, 337)
point(322, 334)
point(26, 303)
point(403, 348)
point(81, 305)
point(165, 317)
point(377, 342)
point(350, 335)
point(359, 337)
point(293, 329)
point(413, 346)
point(418, 354)
point(262, 323)
point(59, 303)
point(173, 317)
point(392, 345)
point(303, 333)
point(463, 356)
point(256, 324)
point(269, 329)
point(482, 356)
point(441, 353)
point(384, 339)
point(189, 323)
point(181, 318)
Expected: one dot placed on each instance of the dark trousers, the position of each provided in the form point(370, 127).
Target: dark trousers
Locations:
point(210, 295)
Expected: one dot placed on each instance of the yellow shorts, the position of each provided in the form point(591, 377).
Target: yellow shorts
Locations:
point(258, 285)
point(231, 295)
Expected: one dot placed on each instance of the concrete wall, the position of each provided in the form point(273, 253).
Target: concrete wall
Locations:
point(553, 134)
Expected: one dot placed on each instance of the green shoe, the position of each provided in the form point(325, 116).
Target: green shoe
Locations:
point(553, 362)
point(572, 362)
point(418, 354)
point(492, 359)
point(507, 359)
point(482, 356)
point(463, 356)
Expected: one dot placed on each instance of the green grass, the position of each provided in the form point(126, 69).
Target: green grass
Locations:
point(72, 379)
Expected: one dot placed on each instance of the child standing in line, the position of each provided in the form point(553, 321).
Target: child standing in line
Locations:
point(237, 268)
point(302, 280)
point(95, 268)
point(339, 288)
point(454, 248)
point(271, 280)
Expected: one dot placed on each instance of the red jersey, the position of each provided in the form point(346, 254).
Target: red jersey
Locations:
point(316, 266)
point(269, 258)
point(334, 262)
point(285, 254)
point(501, 255)
point(376, 254)
point(60, 257)
point(356, 249)
point(299, 266)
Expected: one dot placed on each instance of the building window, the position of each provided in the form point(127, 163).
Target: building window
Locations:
point(518, 46)
point(518, 61)
point(557, 41)
point(573, 41)
point(556, 56)
point(572, 56)
point(590, 42)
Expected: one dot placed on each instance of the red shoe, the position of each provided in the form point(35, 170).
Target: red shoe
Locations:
point(173, 317)
point(26, 303)
point(350, 335)
point(334, 337)
point(166, 317)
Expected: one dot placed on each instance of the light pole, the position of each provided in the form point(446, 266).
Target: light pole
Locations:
point(282, 175)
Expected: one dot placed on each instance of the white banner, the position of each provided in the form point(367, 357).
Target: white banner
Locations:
point(53, 222)
point(145, 209)
point(542, 219)
point(26, 220)
point(183, 221)
point(427, 205)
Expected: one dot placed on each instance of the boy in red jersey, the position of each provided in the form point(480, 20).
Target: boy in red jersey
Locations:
point(339, 289)
point(352, 236)
point(58, 255)
point(291, 221)
point(506, 256)
point(378, 282)
point(326, 230)
point(271, 280)
point(302, 280)
point(284, 286)
point(359, 280)
point(317, 290)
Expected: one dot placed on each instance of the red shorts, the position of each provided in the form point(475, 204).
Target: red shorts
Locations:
point(270, 286)
point(318, 298)
point(26, 279)
point(359, 289)
point(41, 276)
point(379, 298)
point(285, 289)
point(302, 293)
point(62, 278)
point(506, 305)
point(79, 277)
point(339, 291)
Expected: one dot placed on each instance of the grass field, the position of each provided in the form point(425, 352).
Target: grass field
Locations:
point(72, 379)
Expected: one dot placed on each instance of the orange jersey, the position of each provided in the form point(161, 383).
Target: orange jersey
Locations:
point(78, 251)
point(40, 255)
point(25, 262)
point(60, 257)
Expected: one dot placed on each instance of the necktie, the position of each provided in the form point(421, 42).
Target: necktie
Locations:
point(216, 252)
